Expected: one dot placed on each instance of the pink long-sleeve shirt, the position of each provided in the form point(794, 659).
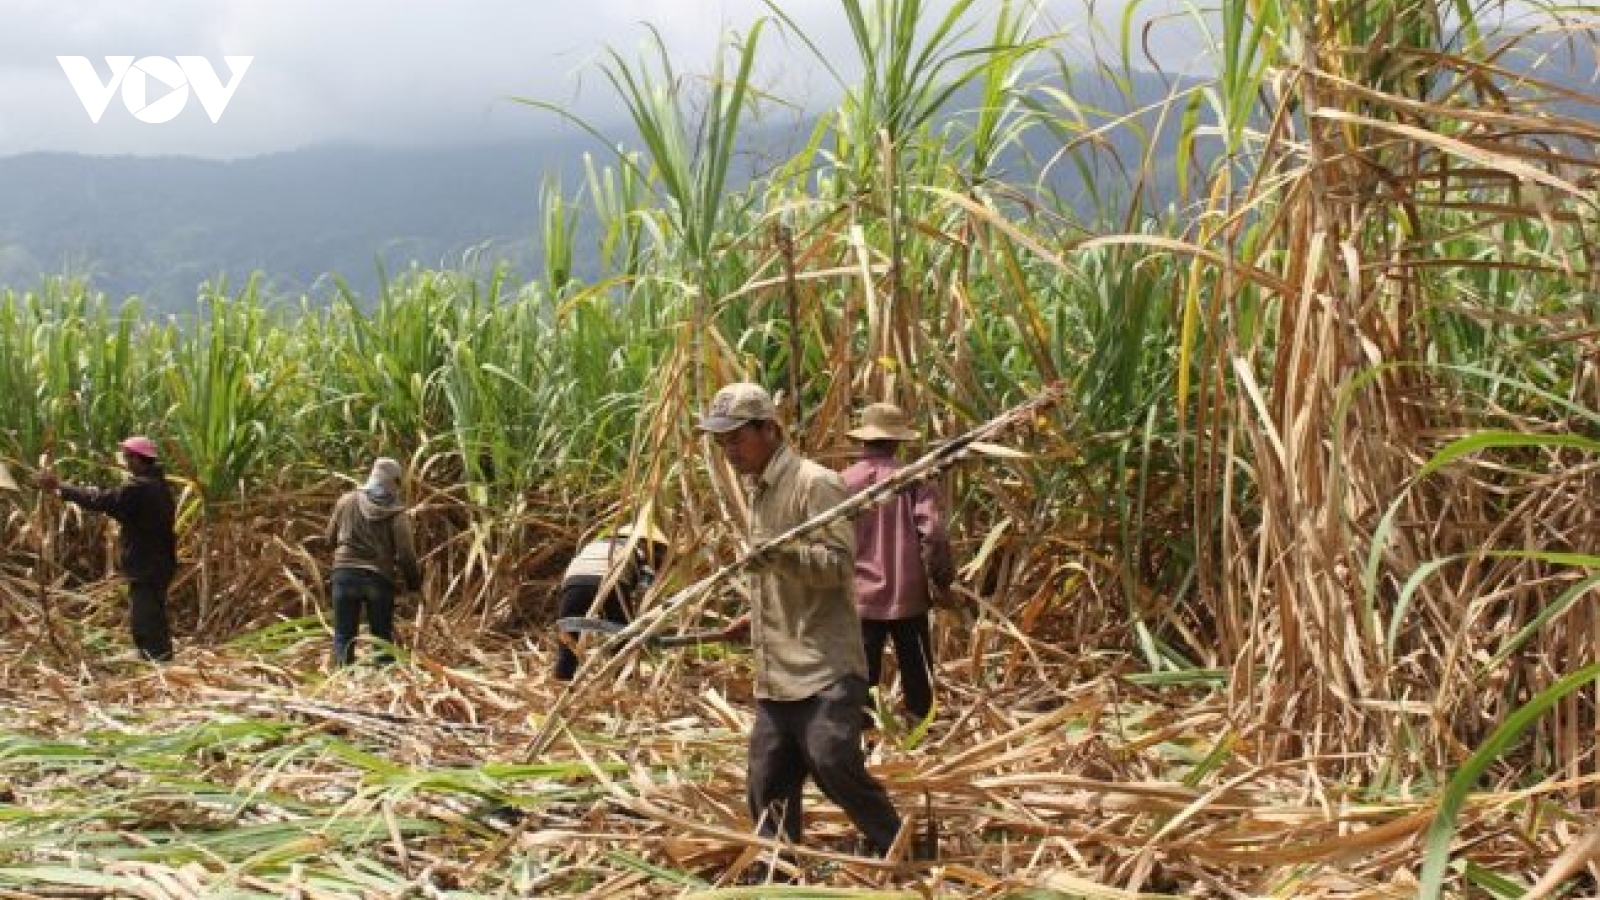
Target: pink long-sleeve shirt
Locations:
point(900, 546)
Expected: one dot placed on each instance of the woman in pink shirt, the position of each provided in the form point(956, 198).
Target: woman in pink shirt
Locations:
point(902, 549)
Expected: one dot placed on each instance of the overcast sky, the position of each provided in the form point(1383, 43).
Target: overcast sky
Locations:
point(381, 72)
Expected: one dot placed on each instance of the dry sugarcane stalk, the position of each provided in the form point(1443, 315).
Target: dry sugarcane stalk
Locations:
point(44, 525)
point(579, 624)
point(624, 644)
point(785, 239)
point(1572, 860)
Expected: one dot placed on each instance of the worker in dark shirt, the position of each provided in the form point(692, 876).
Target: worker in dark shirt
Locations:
point(145, 510)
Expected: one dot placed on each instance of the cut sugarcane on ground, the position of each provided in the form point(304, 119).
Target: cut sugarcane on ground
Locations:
point(244, 767)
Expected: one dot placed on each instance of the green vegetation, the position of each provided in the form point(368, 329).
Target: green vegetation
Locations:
point(1320, 490)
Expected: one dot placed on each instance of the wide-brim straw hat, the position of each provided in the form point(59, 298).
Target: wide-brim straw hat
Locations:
point(883, 422)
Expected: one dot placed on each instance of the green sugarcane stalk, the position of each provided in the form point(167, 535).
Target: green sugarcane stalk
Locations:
point(626, 643)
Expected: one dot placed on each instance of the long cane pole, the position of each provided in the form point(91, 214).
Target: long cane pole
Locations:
point(637, 634)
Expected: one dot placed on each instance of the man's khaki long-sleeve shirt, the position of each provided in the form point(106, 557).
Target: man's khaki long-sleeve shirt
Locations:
point(804, 628)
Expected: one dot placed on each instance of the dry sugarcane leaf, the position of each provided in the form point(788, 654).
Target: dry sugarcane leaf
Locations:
point(999, 451)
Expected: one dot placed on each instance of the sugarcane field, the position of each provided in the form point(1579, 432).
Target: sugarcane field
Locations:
point(993, 449)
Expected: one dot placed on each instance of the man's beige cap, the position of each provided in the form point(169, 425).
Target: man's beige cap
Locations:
point(735, 405)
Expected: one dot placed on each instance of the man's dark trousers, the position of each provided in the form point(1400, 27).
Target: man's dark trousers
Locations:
point(913, 650)
point(577, 598)
point(819, 736)
point(147, 618)
point(354, 589)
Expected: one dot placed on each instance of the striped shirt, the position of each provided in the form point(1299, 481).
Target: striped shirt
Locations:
point(596, 560)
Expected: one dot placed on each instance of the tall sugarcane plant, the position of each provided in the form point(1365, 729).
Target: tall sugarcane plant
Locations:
point(1323, 320)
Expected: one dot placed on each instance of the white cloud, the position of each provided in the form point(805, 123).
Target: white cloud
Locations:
point(382, 72)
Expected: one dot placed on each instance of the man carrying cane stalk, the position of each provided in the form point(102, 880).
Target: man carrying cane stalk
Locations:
point(810, 671)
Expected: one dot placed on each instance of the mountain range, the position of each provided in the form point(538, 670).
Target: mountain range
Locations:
point(159, 227)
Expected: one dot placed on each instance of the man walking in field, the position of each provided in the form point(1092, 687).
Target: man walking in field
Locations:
point(145, 512)
point(810, 672)
point(902, 557)
point(370, 531)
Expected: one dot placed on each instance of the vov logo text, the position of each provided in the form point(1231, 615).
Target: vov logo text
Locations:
point(161, 100)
